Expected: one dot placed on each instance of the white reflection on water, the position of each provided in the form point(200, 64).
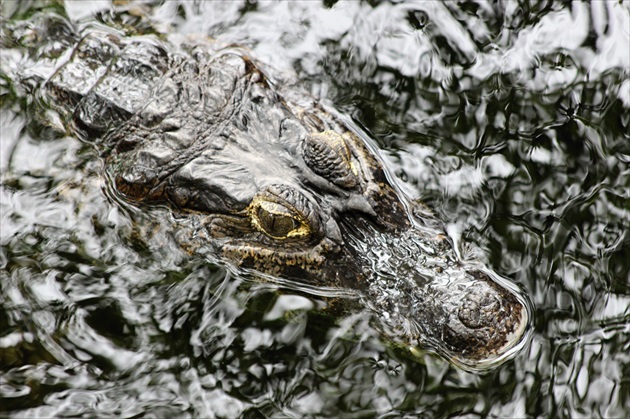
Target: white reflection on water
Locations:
point(537, 177)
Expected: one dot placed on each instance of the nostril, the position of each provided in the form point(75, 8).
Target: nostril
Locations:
point(478, 310)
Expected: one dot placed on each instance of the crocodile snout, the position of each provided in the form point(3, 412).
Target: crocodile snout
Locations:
point(478, 310)
point(490, 321)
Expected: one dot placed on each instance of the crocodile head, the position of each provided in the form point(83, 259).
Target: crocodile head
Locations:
point(269, 180)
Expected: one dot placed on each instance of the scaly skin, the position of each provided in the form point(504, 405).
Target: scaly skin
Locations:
point(264, 178)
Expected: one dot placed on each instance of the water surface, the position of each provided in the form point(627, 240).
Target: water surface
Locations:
point(510, 120)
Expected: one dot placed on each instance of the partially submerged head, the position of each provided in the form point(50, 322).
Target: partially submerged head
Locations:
point(289, 190)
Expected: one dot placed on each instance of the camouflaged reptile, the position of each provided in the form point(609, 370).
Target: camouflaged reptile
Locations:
point(263, 177)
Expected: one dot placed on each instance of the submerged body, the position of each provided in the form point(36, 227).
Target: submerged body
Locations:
point(264, 177)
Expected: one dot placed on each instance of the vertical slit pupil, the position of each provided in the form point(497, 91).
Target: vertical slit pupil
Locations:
point(276, 224)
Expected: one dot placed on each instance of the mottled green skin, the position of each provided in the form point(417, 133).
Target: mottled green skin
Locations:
point(262, 176)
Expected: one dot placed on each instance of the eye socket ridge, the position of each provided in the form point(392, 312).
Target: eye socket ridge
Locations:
point(328, 155)
point(277, 221)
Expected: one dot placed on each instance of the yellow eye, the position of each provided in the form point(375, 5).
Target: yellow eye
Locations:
point(277, 221)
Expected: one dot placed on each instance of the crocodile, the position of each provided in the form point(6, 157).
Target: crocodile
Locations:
point(263, 177)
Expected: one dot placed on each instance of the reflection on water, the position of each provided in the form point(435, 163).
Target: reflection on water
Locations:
point(510, 119)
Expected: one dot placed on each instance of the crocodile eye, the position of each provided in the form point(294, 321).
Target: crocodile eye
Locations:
point(327, 154)
point(277, 221)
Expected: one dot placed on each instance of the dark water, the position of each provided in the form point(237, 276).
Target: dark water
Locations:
point(510, 120)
